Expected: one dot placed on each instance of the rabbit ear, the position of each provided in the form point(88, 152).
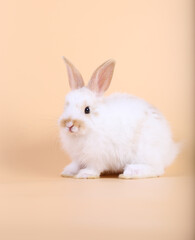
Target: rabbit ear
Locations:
point(102, 77)
point(74, 76)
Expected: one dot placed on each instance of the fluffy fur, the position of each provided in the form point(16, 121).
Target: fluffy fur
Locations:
point(122, 133)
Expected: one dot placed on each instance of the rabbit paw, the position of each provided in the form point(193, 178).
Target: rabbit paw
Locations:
point(87, 173)
point(70, 170)
point(140, 171)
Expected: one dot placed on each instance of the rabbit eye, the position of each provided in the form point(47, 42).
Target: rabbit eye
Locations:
point(87, 110)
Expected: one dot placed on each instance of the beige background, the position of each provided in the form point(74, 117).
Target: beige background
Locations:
point(152, 43)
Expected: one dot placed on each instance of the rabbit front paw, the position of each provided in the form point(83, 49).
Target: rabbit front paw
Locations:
point(70, 170)
point(87, 173)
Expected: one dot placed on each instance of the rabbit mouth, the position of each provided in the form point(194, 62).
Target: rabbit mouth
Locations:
point(72, 126)
point(73, 129)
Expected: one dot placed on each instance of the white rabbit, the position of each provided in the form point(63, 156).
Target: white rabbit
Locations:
point(119, 133)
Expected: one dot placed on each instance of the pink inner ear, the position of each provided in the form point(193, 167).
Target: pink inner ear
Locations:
point(102, 77)
point(105, 78)
point(74, 76)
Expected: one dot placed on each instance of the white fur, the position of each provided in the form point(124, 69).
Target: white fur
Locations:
point(122, 133)
point(69, 124)
point(120, 130)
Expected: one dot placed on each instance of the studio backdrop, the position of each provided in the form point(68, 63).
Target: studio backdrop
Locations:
point(151, 41)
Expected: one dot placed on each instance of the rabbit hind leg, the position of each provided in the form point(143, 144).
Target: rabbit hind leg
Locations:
point(132, 171)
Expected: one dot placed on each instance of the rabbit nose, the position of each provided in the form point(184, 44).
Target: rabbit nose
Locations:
point(65, 123)
point(69, 124)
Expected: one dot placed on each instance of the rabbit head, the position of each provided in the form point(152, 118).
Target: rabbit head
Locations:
point(81, 104)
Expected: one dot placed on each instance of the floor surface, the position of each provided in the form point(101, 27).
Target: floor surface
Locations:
point(105, 208)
